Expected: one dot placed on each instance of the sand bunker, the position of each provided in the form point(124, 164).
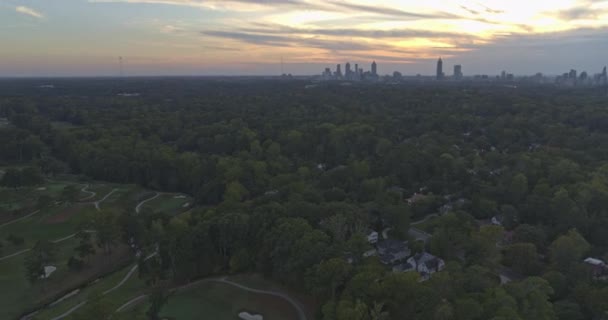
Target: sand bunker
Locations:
point(48, 270)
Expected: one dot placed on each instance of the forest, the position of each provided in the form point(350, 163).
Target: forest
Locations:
point(289, 179)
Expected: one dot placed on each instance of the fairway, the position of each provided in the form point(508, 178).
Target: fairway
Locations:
point(221, 301)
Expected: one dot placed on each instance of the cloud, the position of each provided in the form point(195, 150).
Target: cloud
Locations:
point(236, 5)
point(352, 32)
point(389, 11)
point(29, 12)
point(580, 13)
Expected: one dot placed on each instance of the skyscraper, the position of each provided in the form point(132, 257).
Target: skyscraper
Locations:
point(347, 71)
point(374, 69)
point(439, 69)
point(457, 71)
point(338, 71)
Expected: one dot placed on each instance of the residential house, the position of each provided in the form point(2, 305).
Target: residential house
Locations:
point(392, 251)
point(372, 237)
point(423, 263)
point(598, 267)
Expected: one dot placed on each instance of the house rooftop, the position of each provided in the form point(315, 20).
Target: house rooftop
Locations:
point(595, 262)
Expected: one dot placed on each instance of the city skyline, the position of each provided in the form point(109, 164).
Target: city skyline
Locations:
point(195, 37)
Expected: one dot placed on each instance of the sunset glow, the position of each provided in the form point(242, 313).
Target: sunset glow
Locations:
point(221, 36)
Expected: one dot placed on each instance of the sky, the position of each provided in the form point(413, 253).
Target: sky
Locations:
point(247, 37)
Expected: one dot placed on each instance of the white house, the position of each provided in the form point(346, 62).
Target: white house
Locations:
point(372, 237)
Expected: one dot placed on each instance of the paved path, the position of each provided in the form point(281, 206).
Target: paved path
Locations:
point(138, 207)
point(430, 216)
point(120, 284)
point(128, 276)
point(91, 193)
point(19, 219)
point(67, 313)
point(52, 241)
point(97, 203)
point(15, 254)
point(418, 234)
point(295, 304)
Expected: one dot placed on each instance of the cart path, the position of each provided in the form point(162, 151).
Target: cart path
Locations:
point(138, 207)
point(91, 193)
point(67, 313)
point(291, 301)
point(52, 241)
point(128, 276)
point(97, 203)
point(19, 219)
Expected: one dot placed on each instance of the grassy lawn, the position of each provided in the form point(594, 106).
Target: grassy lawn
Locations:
point(133, 287)
point(17, 295)
point(167, 203)
point(49, 224)
point(219, 301)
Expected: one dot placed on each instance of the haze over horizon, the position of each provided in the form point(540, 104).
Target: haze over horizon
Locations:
point(246, 37)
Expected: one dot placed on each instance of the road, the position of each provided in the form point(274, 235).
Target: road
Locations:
point(419, 235)
point(433, 215)
point(19, 219)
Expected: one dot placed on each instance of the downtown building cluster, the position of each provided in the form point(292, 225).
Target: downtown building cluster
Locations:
point(356, 73)
point(572, 79)
point(350, 74)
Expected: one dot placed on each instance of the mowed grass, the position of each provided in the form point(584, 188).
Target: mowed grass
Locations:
point(132, 287)
point(167, 203)
point(221, 301)
point(49, 224)
point(17, 294)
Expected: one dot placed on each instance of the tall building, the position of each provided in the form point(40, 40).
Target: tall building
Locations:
point(374, 68)
point(572, 74)
point(439, 69)
point(458, 72)
point(347, 71)
point(338, 71)
point(605, 76)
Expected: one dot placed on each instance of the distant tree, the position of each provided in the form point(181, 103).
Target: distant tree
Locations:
point(85, 246)
point(105, 223)
point(157, 299)
point(41, 255)
point(328, 276)
point(11, 178)
point(70, 193)
point(44, 201)
point(568, 250)
point(523, 258)
point(31, 176)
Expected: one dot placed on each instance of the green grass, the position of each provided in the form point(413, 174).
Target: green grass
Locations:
point(40, 227)
point(133, 287)
point(17, 294)
point(219, 301)
point(167, 203)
